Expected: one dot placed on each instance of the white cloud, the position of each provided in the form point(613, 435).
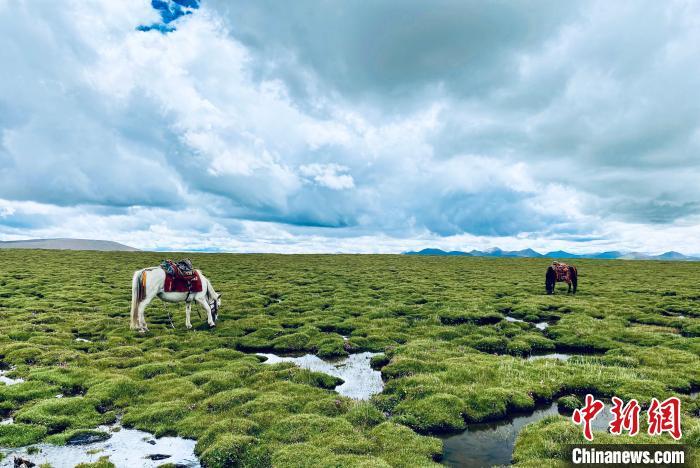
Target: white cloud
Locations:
point(328, 175)
point(582, 132)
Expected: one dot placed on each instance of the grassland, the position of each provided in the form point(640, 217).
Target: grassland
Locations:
point(449, 357)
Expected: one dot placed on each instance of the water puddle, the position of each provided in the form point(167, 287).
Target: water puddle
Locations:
point(491, 444)
point(559, 356)
point(7, 380)
point(361, 381)
point(538, 325)
point(126, 448)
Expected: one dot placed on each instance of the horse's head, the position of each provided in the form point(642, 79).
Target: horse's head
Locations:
point(215, 305)
point(550, 280)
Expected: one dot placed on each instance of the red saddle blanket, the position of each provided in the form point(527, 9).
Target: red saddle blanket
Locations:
point(562, 271)
point(178, 284)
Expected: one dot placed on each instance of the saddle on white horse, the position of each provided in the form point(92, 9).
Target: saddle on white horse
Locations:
point(181, 277)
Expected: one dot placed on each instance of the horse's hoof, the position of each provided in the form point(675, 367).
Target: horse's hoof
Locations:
point(189, 327)
point(212, 325)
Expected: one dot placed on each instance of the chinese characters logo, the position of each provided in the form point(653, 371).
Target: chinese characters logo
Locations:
point(662, 416)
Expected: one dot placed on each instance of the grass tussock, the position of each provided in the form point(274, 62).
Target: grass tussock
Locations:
point(448, 355)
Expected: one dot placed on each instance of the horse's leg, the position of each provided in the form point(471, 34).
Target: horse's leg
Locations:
point(188, 309)
point(569, 291)
point(142, 318)
point(203, 302)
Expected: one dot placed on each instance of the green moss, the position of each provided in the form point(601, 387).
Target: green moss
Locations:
point(229, 399)
point(309, 456)
point(116, 391)
point(316, 379)
point(60, 414)
point(260, 339)
point(230, 450)
point(327, 406)
point(435, 413)
point(208, 433)
point(78, 437)
point(569, 403)
point(403, 367)
point(70, 381)
point(159, 418)
point(291, 342)
point(148, 371)
point(305, 427)
point(330, 348)
point(402, 447)
point(20, 435)
point(364, 414)
point(492, 344)
point(486, 404)
point(13, 396)
point(103, 462)
point(378, 361)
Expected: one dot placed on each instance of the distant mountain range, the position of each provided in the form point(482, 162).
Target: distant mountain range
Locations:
point(529, 253)
point(67, 244)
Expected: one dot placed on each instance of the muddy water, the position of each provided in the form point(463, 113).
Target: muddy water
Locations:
point(489, 444)
point(127, 448)
point(361, 381)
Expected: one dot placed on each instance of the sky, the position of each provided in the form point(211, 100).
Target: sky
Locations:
point(352, 126)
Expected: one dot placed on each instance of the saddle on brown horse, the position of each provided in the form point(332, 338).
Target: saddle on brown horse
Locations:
point(181, 277)
point(562, 271)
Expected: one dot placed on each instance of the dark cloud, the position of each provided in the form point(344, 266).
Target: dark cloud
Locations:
point(346, 119)
point(383, 49)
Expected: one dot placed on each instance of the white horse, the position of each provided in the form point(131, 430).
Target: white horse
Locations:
point(149, 282)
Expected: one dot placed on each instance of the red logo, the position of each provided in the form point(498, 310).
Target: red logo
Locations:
point(626, 417)
point(587, 414)
point(662, 416)
point(665, 417)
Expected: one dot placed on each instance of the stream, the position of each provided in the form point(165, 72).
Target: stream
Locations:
point(7, 380)
point(361, 381)
point(491, 443)
point(126, 448)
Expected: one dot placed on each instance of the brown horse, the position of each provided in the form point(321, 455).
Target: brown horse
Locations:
point(558, 272)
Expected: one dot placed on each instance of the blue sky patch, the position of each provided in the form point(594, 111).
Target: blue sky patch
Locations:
point(170, 10)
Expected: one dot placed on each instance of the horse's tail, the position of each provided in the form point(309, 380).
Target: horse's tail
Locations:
point(574, 277)
point(137, 293)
